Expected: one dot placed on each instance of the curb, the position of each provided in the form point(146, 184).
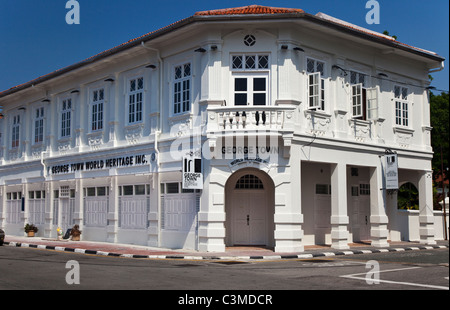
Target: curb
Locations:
point(256, 258)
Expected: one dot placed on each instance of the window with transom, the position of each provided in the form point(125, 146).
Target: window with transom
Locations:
point(316, 84)
point(39, 125)
point(98, 97)
point(401, 106)
point(250, 79)
point(182, 89)
point(135, 100)
point(66, 117)
point(364, 100)
point(15, 131)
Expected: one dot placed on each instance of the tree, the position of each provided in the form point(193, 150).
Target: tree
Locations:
point(439, 118)
point(408, 197)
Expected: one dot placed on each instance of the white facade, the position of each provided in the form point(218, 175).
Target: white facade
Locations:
point(291, 114)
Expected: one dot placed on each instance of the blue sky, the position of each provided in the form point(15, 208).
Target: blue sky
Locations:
point(36, 40)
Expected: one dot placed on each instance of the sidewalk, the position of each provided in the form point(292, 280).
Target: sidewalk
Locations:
point(232, 253)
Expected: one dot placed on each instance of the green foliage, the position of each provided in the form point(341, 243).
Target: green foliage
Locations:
point(408, 197)
point(30, 227)
point(387, 33)
point(439, 118)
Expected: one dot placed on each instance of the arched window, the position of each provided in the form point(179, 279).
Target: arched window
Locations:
point(408, 197)
point(249, 181)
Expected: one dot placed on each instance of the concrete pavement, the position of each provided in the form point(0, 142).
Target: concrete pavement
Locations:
point(232, 253)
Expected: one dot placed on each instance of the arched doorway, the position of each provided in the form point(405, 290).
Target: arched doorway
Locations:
point(249, 205)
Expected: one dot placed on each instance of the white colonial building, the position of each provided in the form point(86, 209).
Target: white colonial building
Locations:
point(243, 126)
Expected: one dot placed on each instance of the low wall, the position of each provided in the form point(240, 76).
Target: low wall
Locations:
point(407, 225)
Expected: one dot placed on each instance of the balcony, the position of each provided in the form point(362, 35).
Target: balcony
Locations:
point(251, 120)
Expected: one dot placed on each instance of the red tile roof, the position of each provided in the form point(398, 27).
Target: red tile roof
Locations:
point(251, 9)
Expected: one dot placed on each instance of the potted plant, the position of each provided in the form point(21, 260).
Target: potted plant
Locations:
point(30, 229)
point(75, 233)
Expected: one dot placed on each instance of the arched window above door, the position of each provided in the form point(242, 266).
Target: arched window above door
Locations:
point(249, 181)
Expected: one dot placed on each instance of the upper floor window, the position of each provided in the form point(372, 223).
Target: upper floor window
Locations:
point(97, 109)
point(15, 131)
point(182, 89)
point(250, 62)
point(364, 99)
point(250, 89)
point(135, 100)
point(316, 84)
point(39, 125)
point(401, 106)
point(250, 79)
point(66, 117)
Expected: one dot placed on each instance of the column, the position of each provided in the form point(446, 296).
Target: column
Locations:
point(113, 210)
point(50, 231)
point(153, 216)
point(24, 202)
point(426, 217)
point(339, 217)
point(79, 201)
point(288, 218)
point(2, 206)
point(212, 217)
point(378, 218)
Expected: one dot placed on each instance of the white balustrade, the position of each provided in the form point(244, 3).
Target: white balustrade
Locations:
point(250, 118)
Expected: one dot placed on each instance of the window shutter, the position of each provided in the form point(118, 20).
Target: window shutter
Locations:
point(314, 90)
point(357, 100)
point(372, 103)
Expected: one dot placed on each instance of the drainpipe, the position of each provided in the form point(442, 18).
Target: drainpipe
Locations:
point(43, 164)
point(160, 80)
point(158, 132)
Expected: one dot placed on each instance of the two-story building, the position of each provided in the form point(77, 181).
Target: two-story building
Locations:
point(243, 126)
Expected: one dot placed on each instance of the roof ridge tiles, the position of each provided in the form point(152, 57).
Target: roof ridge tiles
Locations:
point(250, 9)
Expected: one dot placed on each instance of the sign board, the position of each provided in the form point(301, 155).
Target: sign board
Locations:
point(192, 173)
point(99, 164)
point(391, 171)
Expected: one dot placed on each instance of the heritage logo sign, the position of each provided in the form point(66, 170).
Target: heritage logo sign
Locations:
point(192, 173)
point(391, 170)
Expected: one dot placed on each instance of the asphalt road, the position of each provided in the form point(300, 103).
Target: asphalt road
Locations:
point(36, 269)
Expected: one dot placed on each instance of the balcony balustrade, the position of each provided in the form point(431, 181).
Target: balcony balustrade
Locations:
point(276, 120)
point(250, 118)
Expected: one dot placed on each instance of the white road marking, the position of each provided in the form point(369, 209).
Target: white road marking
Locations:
point(355, 276)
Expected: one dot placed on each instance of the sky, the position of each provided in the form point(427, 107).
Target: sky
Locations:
point(35, 38)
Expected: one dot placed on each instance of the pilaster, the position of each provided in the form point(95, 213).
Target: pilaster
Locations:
point(426, 217)
point(339, 217)
point(378, 218)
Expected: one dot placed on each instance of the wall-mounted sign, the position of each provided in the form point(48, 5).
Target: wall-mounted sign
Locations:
point(192, 172)
point(246, 160)
point(254, 151)
point(391, 171)
point(99, 164)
